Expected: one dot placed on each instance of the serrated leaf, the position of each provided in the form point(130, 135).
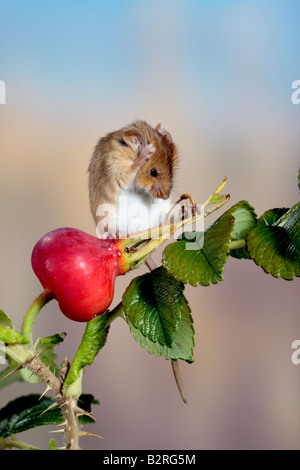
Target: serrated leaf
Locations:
point(245, 219)
point(271, 244)
point(25, 413)
point(201, 261)
point(92, 341)
point(152, 304)
point(183, 343)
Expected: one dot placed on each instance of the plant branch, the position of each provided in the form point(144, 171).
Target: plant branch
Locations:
point(115, 313)
point(33, 310)
point(12, 442)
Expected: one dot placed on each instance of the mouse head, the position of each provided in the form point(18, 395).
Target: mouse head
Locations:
point(156, 176)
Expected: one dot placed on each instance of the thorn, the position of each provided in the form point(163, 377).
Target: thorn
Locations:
point(44, 392)
point(178, 379)
point(64, 404)
point(58, 431)
point(49, 408)
point(29, 361)
point(60, 424)
point(84, 433)
point(81, 412)
point(11, 372)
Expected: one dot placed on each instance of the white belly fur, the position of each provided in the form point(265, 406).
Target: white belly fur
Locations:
point(137, 212)
point(134, 213)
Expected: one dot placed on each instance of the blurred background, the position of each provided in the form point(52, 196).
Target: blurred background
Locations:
point(218, 76)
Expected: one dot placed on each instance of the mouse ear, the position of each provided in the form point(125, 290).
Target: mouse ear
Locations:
point(134, 139)
point(164, 133)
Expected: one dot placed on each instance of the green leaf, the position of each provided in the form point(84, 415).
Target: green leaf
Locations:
point(245, 219)
point(152, 304)
point(7, 333)
point(273, 243)
point(54, 339)
point(92, 341)
point(24, 413)
point(8, 336)
point(5, 320)
point(183, 343)
point(290, 221)
point(201, 260)
point(45, 349)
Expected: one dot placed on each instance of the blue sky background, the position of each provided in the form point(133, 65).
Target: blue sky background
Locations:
point(218, 76)
point(96, 49)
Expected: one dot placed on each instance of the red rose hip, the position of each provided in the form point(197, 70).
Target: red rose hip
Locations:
point(79, 269)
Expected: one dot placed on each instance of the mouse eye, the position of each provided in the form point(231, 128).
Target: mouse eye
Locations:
point(153, 172)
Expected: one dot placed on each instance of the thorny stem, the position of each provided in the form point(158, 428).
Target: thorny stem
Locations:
point(68, 405)
point(26, 357)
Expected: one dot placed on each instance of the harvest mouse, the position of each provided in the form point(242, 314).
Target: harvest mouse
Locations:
point(130, 179)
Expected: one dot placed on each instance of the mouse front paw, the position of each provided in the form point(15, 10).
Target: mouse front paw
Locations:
point(145, 153)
